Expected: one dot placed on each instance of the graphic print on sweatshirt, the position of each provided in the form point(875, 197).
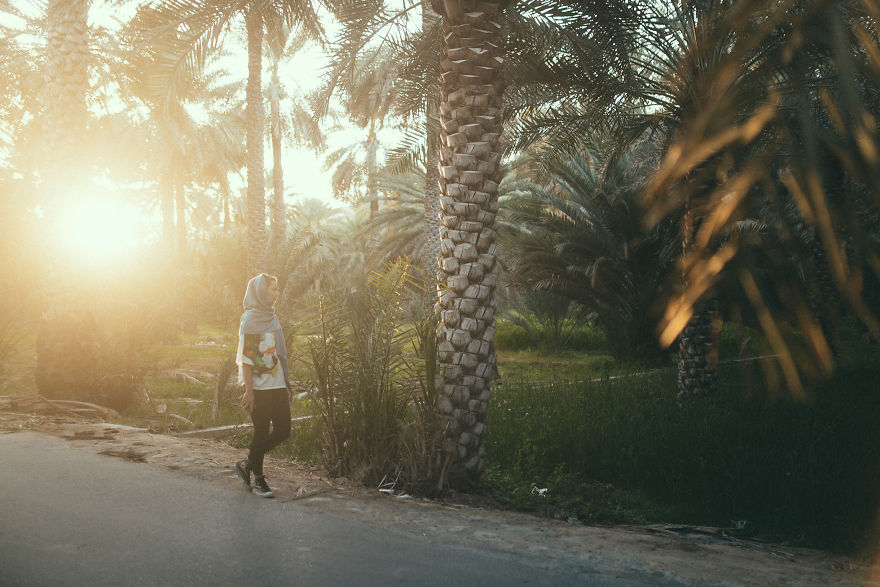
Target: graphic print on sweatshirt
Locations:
point(260, 351)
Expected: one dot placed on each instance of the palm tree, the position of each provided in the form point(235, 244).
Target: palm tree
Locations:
point(790, 140)
point(367, 94)
point(182, 34)
point(194, 139)
point(290, 118)
point(324, 248)
point(574, 227)
point(646, 77)
point(470, 117)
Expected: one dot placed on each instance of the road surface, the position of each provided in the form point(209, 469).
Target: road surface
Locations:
point(69, 516)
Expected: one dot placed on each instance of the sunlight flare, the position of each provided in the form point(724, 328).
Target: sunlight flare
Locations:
point(99, 231)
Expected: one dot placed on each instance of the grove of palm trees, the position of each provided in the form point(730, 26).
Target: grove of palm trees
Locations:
point(610, 261)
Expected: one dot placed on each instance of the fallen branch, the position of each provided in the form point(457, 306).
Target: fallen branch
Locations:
point(182, 419)
point(221, 430)
point(108, 412)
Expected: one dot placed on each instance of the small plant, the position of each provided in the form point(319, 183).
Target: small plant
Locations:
point(548, 320)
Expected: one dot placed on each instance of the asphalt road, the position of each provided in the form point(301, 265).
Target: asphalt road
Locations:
point(69, 516)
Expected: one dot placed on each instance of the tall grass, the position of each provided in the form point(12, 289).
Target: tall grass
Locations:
point(805, 472)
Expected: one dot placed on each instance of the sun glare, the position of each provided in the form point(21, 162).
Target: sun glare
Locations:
point(99, 232)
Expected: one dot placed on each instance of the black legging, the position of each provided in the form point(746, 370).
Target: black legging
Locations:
point(270, 405)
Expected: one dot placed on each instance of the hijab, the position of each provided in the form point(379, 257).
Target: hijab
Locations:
point(259, 318)
point(259, 313)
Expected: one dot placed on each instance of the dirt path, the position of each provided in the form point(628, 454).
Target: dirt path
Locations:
point(667, 554)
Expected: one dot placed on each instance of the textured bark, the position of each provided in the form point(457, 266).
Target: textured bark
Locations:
point(698, 343)
point(432, 215)
point(67, 56)
point(255, 117)
point(470, 119)
point(279, 221)
point(698, 352)
point(432, 177)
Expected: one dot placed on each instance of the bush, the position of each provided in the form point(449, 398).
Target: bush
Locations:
point(511, 336)
point(102, 361)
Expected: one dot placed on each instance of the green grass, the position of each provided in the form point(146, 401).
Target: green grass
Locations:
point(569, 365)
point(628, 449)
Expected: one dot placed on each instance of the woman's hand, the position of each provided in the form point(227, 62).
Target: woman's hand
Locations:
point(247, 398)
point(247, 401)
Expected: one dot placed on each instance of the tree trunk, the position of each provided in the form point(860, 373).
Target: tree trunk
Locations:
point(166, 195)
point(224, 194)
point(279, 220)
point(431, 251)
point(64, 118)
point(180, 201)
point(372, 169)
point(698, 352)
point(255, 117)
point(698, 344)
point(470, 118)
point(63, 345)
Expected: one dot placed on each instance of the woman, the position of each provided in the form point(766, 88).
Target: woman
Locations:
point(262, 369)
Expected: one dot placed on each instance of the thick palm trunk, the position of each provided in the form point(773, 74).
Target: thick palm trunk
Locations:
point(65, 341)
point(697, 358)
point(255, 116)
point(698, 344)
point(67, 55)
point(470, 117)
point(279, 222)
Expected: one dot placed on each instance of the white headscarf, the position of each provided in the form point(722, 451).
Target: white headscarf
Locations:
point(259, 313)
point(259, 318)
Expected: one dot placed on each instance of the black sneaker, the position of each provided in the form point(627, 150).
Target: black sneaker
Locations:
point(261, 489)
point(244, 471)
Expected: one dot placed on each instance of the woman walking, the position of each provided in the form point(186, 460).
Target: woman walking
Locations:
point(262, 369)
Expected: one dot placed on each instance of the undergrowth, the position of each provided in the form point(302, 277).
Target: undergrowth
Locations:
point(625, 450)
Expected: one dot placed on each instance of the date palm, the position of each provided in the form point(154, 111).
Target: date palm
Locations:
point(181, 34)
point(800, 152)
point(64, 120)
point(646, 77)
point(573, 227)
point(367, 94)
point(290, 118)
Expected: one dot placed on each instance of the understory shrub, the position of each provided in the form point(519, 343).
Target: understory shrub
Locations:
point(100, 358)
point(511, 336)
